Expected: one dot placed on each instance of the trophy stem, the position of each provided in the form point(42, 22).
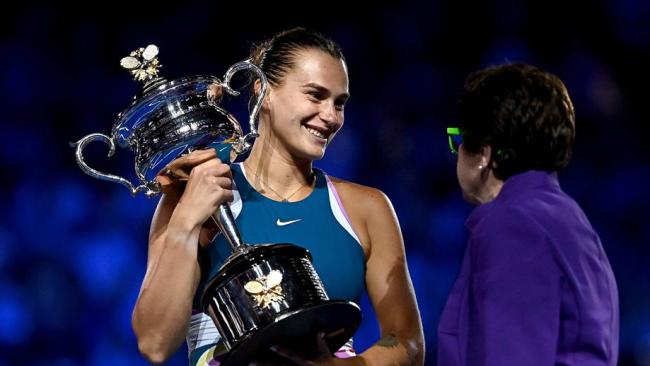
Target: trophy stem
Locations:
point(226, 223)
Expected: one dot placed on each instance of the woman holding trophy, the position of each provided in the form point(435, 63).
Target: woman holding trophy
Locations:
point(277, 196)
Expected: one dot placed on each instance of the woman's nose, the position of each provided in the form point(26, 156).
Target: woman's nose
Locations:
point(328, 113)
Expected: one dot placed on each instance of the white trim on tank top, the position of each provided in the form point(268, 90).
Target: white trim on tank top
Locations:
point(339, 211)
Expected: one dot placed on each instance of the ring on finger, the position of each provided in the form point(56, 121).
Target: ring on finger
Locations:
point(170, 173)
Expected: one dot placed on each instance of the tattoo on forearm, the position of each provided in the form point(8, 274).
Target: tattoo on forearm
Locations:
point(388, 341)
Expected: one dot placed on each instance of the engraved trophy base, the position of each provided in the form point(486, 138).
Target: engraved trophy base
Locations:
point(270, 294)
point(297, 331)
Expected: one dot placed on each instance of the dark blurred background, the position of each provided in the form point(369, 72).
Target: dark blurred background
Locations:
point(73, 249)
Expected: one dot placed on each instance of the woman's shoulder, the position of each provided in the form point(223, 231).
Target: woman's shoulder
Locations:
point(359, 193)
point(366, 206)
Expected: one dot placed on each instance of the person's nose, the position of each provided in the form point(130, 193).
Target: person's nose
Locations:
point(329, 114)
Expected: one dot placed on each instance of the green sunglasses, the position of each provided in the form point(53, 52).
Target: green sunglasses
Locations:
point(455, 138)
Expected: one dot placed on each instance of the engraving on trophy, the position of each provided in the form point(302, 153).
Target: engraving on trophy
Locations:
point(266, 290)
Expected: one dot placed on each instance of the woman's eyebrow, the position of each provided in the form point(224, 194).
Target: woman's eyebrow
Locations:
point(323, 89)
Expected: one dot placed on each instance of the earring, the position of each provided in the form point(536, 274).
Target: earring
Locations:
point(480, 167)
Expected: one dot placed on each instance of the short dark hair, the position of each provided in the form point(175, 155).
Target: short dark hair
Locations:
point(523, 113)
point(276, 55)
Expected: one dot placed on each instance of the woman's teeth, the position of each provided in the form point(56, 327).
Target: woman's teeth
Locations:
point(315, 133)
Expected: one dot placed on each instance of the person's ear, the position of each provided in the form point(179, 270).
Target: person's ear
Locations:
point(486, 157)
point(257, 87)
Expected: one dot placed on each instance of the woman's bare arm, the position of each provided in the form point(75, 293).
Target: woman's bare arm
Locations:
point(163, 309)
point(387, 277)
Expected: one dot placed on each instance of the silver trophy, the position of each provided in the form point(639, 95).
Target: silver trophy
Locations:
point(168, 118)
point(263, 294)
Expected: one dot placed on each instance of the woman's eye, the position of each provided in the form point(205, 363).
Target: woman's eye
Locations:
point(315, 95)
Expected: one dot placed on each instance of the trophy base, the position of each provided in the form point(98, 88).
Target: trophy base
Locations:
point(298, 330)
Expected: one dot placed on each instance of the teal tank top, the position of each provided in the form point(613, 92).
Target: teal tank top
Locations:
point(311, 223)
point(317, 223)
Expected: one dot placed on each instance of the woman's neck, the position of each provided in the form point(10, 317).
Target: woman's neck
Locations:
point(490, 189)
point(268, 167)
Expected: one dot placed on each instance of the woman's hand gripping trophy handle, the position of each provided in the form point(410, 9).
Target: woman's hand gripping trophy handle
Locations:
point(204, 184)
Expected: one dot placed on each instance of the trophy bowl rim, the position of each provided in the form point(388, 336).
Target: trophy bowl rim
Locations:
point(155, 89)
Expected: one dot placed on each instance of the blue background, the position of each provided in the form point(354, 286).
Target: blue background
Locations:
point(73, 249)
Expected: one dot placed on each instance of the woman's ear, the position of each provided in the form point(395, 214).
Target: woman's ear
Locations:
point(257, 87)
point(486, 156)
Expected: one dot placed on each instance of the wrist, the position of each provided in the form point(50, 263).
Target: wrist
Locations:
point(182, 225)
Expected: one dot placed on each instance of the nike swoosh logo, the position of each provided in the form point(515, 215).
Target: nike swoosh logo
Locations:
point(285, 223)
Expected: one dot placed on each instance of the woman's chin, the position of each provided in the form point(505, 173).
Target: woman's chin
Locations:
point(470, 198)
point(312, 155)
point(312, 151)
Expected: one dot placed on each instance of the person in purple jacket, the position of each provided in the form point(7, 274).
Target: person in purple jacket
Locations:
point(535, 287)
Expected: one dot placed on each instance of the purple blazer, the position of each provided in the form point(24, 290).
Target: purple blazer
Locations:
point(535, 286)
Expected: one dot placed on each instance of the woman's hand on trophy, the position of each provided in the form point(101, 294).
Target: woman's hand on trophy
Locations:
point(319, 356)
point(207, 185)
point(172, 178)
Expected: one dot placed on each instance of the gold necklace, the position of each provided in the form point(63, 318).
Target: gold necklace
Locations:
point(282, 198)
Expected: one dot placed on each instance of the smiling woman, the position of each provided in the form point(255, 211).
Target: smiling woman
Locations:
point(277, 196)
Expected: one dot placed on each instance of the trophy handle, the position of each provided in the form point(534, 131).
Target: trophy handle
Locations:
point(81, 144)
point(226, 223)
point(224, 218)
point(244, 141)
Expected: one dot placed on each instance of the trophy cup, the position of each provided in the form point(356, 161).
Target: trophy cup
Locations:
point(264, 294)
